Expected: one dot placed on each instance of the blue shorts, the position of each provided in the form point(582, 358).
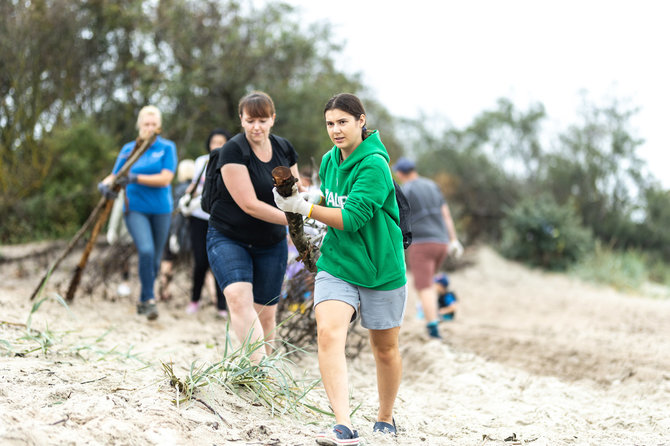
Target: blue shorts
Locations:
point(232, 261)
point(379, 310)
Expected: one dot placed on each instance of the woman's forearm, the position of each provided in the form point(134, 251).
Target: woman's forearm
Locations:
point(329, 216)
point(263, 211)
point(161, 179)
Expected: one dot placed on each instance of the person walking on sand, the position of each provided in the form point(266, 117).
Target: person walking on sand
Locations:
point(433, 236)
point(246, 238)
point(148, 208)
point(198, 222)
point(178, 241)
point(361, 270)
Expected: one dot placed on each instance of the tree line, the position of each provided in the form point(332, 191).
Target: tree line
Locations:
point(75, 73)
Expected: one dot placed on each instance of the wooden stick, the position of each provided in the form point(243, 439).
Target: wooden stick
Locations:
point(308, 252)
point(79, 270)
point(96, 213)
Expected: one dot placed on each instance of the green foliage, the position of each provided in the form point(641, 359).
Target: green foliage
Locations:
point(542, 233)
point(593, 167)
point(596, 168)
point(489, 164)
point(81, 154)
point(652, 233)
point(624, 270)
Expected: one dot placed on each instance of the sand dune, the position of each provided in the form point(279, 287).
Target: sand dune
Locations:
point(531, 358)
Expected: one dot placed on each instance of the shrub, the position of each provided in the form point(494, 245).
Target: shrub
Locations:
point(81, 156)
point(540, 232)
point(625, 270)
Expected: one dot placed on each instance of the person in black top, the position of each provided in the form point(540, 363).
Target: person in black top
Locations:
point(246, 238)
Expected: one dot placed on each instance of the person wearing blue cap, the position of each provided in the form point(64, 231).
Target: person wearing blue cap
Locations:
point(433, 236)
point(446, 299)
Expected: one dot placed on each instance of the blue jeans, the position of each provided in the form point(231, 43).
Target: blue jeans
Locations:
point(149, 232)
point(232, 261)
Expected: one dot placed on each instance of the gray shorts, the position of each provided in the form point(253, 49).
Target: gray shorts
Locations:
point(379, 310)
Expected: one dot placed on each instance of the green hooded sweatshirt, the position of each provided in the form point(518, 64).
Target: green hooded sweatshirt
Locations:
point(368, 252)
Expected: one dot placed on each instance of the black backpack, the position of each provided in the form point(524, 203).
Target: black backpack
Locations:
point(213, 181)
point(404, 211)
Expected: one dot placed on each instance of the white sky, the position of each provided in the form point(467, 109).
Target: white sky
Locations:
point(453, 59)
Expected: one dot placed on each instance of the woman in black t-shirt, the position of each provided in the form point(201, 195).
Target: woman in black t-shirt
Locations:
point(246, 239)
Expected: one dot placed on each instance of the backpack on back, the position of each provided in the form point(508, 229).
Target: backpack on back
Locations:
point(213, 182)
point(404, 211)
point(213, 186)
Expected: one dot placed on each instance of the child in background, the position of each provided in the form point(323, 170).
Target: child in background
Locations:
point(446, 300)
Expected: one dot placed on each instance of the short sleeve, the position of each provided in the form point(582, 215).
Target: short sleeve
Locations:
point(292, 154)
point(170, 159)
point(231, 153)
point(123, 157)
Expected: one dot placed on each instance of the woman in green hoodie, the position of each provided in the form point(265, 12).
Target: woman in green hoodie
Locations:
point(361, 270)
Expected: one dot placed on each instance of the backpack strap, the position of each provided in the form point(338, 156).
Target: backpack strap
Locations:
point(283, 144)
point(197, 179)
point(241, 141)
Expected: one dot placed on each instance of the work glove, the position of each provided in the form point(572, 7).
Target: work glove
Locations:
point(184, 205)
point(313, 196)
point(188, 204)
point(195, 203)
point(106, 191)
point(295, 203)
point(126, 180)
point(455, 249)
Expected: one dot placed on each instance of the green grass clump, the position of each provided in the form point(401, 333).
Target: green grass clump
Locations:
point(623, 270)
point(29, 340)
point(270, 382)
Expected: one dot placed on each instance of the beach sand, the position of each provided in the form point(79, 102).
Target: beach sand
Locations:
point(531, 358)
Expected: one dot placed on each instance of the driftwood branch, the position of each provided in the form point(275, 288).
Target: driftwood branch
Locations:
point(96, 215)
point(307, 251)
point(79, 270)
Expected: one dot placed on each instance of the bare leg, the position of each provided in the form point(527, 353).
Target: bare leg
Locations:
point(268, 317)
point(389, 369)
point(243, 316)
point(332, 321)
point(428, 298)
point(210, 285)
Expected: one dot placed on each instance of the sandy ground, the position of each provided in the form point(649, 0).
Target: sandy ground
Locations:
point(531, 358)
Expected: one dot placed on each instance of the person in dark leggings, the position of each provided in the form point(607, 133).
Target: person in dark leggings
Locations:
point(198, 221)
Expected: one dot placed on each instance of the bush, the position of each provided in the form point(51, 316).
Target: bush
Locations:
point(82, 155)
point(540, 232)
point(624, 270)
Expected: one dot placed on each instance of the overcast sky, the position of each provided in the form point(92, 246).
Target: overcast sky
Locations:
point(454, 59)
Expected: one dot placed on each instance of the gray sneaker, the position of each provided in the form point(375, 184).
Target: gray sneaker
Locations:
point(385, 428)
point(148, 309)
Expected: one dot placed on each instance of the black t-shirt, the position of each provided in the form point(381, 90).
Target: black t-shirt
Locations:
point(226, 216)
